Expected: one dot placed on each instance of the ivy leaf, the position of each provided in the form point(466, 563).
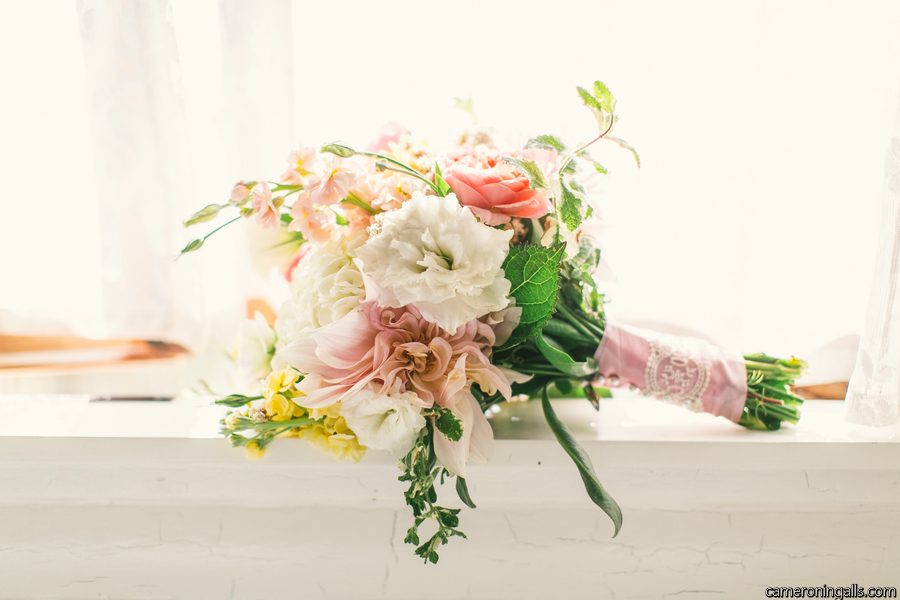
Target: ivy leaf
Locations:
point(207, 213)
point(547, 142)
point(442, 187)
point(447, 423)
point(598, 495)
point(533, 272)
point(463, 491)
point(530, 169)
point(338, 150)
point(571, 205)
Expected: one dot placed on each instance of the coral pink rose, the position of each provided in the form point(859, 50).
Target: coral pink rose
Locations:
point(492, 189)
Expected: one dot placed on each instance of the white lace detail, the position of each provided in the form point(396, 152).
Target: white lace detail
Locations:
point(677, 371)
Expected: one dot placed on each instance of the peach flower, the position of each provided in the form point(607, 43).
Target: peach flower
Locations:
point(492, 189)
point(266, 209)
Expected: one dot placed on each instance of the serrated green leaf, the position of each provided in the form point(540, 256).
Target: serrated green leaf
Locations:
point(447, 423)
point(571, 207)
point(547, 142)
point(604, 97)
point(589, 100)
point(600, 168)
point(533, 272)
point(338, 150)
point(530, 169)
point(207, 213)
point(592, 485)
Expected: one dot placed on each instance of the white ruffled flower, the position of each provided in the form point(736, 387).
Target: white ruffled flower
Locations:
point(390, 421)
point(434, 253)
point(256, 345)
point(325, 286)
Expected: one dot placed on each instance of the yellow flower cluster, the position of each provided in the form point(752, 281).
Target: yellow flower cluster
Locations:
point(331, 435)
point(279, 390)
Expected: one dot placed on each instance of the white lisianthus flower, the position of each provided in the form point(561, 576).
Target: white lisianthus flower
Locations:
point(434, 253)
point(389, 421)
point(326, 285)
point(255, 347)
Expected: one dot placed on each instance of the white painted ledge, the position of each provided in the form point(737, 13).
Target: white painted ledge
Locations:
point(116, 500)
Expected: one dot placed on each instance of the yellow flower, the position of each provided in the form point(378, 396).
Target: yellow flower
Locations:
point(279, 391)
point(254, 452)
point(332, 435)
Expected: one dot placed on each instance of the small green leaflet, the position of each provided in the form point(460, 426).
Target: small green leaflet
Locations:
point(446, 422)
point(600, 168)
point(571, 206)
point(465, 106)
point(533, 272)
point(530, 169)
point(598, 495)
point(547, 142)
point(604, 97)
point(442, 187)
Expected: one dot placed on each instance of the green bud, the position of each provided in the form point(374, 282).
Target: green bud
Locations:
point(339, 150)
point(193, 245)
point(203, 215)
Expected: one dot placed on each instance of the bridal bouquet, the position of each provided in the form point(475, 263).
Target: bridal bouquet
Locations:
point(425, 288)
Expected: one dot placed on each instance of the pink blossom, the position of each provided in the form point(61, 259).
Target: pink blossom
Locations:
point(338, 178)
point(302, 165)
point(391, 132)
point(383, 345)
point(314, 222)
point(266, 209)
point(239, 193)
point(492, 189)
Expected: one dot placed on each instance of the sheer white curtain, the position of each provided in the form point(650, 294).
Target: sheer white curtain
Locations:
point(761, 128)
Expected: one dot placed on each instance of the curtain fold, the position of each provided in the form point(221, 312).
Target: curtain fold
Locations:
point(873, 396)
point(138, 130)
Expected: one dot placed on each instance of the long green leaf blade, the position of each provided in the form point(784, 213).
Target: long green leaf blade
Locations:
point(598, 495)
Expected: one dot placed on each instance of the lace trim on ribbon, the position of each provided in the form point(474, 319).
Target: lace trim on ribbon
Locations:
point(676, 372)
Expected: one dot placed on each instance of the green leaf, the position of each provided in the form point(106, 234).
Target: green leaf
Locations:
point(598, 495)
point(339, 218)
point(207, 213)
point(547, 142)
point(463, 491)
point(465, 106)
point(533, 272)
point(235, 400)
point(571, 206)
point(442, 187)
point(604, 97)
point(599, 168)
point(355, 200)
point(528, 168)
point(562, 361)
point(339, 150)
point(590, 101)
point(627, 146)
point(446, 422)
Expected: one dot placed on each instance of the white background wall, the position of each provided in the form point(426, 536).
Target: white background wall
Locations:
point(762, 128)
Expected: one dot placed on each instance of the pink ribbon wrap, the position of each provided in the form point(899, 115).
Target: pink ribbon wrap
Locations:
point(682, 370)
